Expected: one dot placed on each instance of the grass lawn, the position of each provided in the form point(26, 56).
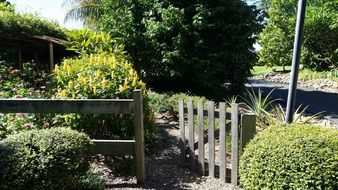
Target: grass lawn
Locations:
point(260, 70)
point(304, 74)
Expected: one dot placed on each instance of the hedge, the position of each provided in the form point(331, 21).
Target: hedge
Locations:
point(294, 157)
point(54, 158)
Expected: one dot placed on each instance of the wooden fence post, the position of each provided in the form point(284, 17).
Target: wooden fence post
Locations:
point(182, 130)
point(248, 130)
point(139, 136)
point(234, 144)
point(211, 138)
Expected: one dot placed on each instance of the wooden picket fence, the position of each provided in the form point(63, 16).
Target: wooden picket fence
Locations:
point(95, 106)
point(242, 127)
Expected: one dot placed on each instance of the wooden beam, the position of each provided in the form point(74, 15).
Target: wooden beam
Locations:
point(66, 106)
point(50, 39)
point(113, 147)
point(51, 56)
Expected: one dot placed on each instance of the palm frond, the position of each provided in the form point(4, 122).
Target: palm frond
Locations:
point(86, 11)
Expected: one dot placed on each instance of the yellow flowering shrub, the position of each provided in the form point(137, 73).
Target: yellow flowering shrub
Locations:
point(101, 76)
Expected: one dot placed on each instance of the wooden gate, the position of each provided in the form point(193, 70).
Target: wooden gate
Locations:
point(96, 106)
point(241, 127)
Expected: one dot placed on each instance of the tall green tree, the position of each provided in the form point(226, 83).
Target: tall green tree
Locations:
point(320, 42)
point(188, 45)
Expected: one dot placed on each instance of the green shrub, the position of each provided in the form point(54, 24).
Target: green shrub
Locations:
point(87, 41)
point(102, 76)
point(44, 159)
point(21, 24)
point(293, 157)
point(160, 102)
point(168, 102)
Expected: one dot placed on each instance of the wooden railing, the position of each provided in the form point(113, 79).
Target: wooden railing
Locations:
point(242, 128)
point(95, 106)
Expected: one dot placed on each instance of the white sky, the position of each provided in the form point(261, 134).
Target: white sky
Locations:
point(50, 9)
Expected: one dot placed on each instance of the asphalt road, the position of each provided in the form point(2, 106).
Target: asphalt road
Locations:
point(316, 100)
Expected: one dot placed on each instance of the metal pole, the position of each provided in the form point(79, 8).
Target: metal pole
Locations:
point(295, 61)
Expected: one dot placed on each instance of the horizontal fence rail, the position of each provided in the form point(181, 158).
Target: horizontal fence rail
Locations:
point(241, 127)
point(101, 106)
point(94, 106)
point(113, 147)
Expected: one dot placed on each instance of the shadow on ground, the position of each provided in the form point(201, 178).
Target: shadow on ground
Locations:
point(163, 167)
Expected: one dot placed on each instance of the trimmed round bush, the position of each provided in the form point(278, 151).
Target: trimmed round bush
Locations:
point(56, 158)
point(298, 156)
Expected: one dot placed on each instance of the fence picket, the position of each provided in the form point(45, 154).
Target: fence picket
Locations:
point(211, 138)
point(182, 130)
point(248, 129)
point(201, 155)
point(234, 144)
point(241, 127)
point(191, 134)
point(222, 122)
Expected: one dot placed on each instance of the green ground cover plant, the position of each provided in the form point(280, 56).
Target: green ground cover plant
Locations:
point(56, 158)
point(296, 156)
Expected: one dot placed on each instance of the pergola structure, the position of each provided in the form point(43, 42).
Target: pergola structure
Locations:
point(33, 47)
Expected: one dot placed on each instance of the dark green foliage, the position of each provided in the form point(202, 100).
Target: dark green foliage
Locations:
point(291, 157)
point(320, 49)
point(191, 46)
point(44, 159)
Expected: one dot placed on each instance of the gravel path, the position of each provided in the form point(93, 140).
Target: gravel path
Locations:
point(163, 168)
